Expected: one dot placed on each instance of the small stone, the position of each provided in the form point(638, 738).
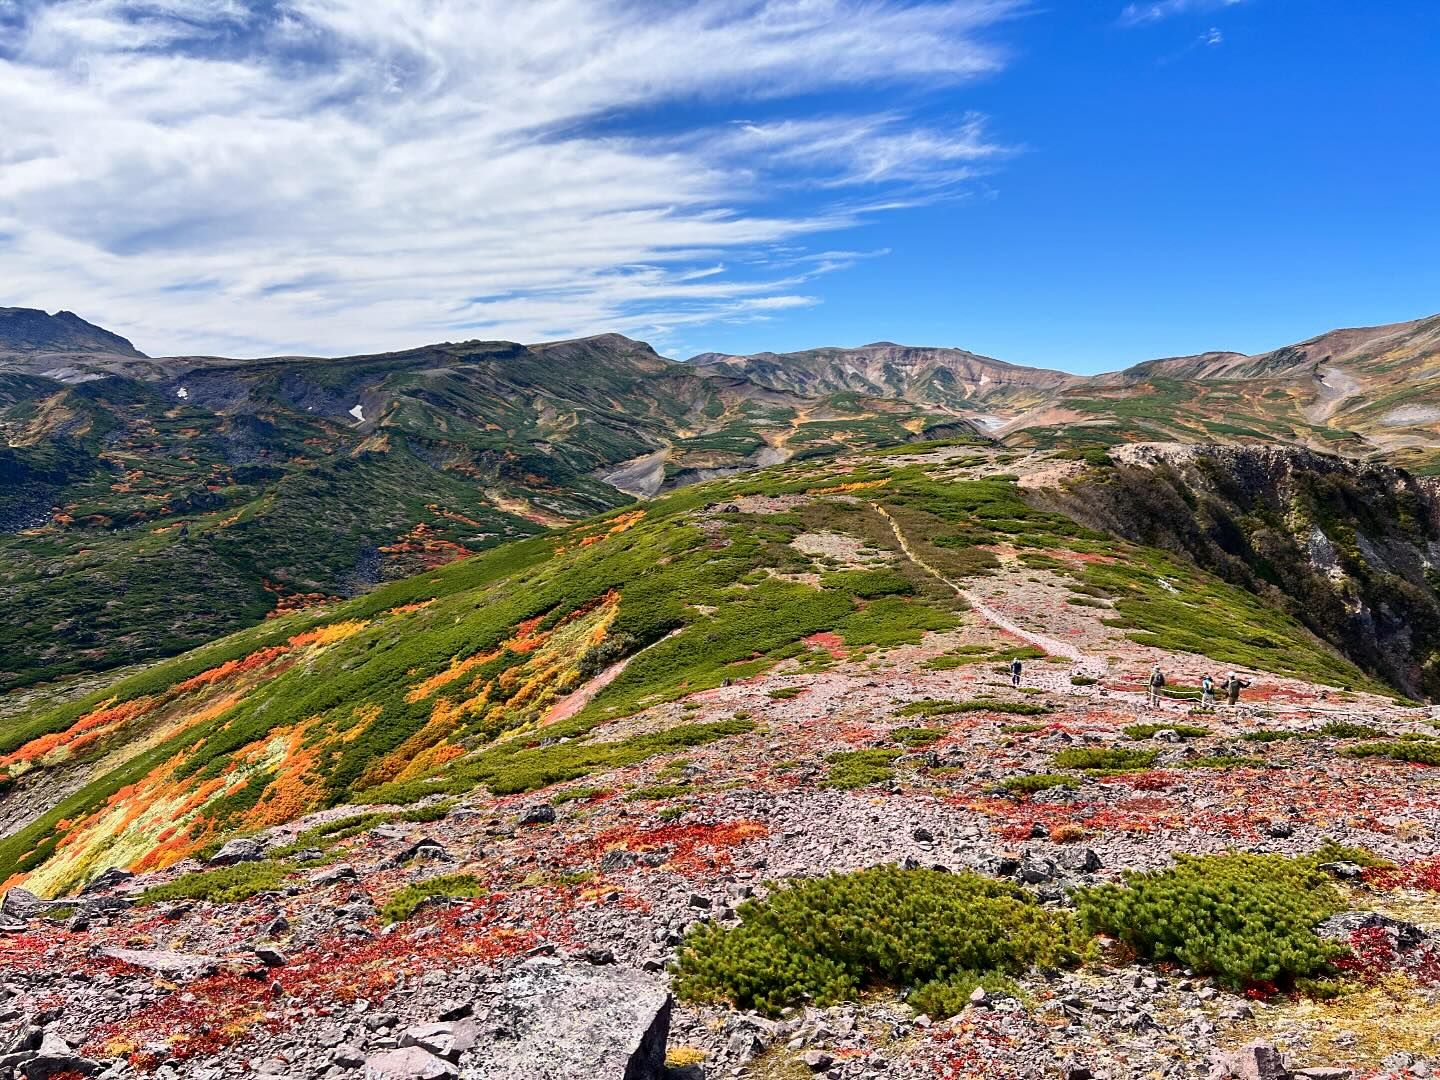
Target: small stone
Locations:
point(337, 873)
point(456, 1010)
point(347, 1056)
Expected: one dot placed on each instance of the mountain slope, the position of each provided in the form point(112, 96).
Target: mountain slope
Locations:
point(576, 751)
point(148, 506)
point(448, 681)
point(952, 378)
point(27, 331)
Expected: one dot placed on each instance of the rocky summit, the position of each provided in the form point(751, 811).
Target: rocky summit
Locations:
point(852, 767)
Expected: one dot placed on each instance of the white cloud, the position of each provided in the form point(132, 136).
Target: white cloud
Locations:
point(1139, 14)
point(335, 175)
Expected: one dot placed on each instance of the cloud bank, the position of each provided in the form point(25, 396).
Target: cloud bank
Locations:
point(352, 175)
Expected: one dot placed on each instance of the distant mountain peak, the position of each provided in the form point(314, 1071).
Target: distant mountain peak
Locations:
point(30, 330)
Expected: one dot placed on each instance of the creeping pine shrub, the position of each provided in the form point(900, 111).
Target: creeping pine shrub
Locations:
point(1028, 785)
point(225, 885)
point(917, 736)
point(1420, 753)
point(1146, 731)
point(1348, 729)
point(860, 768)
point(830, 939)
point(931, 707)
point(447, 887)
point(1110, 760)
point(1245, 919)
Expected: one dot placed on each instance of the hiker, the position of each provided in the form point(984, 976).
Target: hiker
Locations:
point(1015, 672)
point(1233, 685)
point(1207, 692)
point(1155, 685)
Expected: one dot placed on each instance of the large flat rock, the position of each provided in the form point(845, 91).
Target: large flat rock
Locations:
point(573, 1022)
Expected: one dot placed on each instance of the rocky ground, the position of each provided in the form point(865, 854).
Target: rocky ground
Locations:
point(559, 966)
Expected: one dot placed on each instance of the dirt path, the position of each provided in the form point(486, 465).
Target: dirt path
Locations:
point(1053, 646)
point(576, 700)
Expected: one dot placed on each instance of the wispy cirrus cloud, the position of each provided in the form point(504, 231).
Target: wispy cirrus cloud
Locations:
point(331, 175)
point(1153, 11)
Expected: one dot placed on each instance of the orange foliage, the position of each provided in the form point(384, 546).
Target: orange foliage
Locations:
point(84, 731)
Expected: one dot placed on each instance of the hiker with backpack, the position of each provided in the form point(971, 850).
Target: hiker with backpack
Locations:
point(1155, 686)
point(1207, 692)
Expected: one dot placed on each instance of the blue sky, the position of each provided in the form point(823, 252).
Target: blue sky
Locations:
point(1077, 184)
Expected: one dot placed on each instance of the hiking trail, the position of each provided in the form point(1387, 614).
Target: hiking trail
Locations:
point(1090, 664)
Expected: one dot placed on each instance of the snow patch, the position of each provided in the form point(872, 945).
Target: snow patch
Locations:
point(358, 412)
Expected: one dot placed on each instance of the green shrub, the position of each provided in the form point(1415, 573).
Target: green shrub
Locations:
point(1111, 760)
point(1345, 729)
point(447, 887)
point(869, 584)
point(1028, 785)
point(659, 791)
point(917, 736)
point(579, 794)
point(224, 885)
point(831, 939)
point(1245, 919)
point(932, 707)
point(1420, 753)
point(860, 768)
point(1146, 731)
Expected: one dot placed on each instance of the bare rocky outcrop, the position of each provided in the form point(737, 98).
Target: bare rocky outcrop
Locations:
point(1350, 548)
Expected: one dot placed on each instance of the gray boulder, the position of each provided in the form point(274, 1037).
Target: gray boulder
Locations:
point(1257, 1061)
point(22, 904)
point(166, 962)
point(241, 849)
point(583, 1022)
point(407, 1063)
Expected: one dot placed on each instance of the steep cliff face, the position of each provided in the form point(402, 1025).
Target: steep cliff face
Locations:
point(1351, 549)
